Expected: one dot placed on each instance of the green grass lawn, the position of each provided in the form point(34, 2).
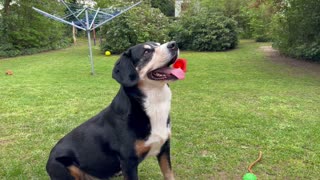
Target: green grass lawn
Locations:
point(230, 106)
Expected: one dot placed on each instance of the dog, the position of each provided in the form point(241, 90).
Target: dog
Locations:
point(136, 124)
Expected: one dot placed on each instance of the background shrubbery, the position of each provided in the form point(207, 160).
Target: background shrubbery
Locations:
point(260, 22)
point(23, 31)
point(201, 30)
point(296, 30)
point(140, 24)
point(292, 25)
point(206, 25)
point(198, 29)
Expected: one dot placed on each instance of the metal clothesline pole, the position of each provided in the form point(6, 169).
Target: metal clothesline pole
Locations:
point(89, 42)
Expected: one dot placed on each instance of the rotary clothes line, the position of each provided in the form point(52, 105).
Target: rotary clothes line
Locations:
point(87, 19)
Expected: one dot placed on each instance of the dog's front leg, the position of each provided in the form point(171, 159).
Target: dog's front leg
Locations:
point(129, 168)
point(165, 162)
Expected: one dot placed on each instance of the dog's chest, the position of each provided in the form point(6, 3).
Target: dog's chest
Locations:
point(157, 105)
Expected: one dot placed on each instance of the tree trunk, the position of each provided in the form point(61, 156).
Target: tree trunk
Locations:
point(7, 6)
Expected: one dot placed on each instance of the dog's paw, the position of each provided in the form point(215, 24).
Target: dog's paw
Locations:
point(118, 174)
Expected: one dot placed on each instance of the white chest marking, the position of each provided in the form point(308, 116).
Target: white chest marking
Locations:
point(157, 105)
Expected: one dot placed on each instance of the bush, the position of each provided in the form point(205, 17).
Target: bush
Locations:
point(138, 25)
point(24, 31)
point(296, 30)
point(205, 31)
point(260, 22)
point(167, 7)
point(304, 50)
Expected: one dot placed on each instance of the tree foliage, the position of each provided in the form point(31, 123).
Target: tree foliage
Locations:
point(293, 25)
point(260, 21)
point(297, 29)
point(201, 30)
point(235, 9)
point(116, 3)
point(138, 25)
point(23, 31)
point(167, 7)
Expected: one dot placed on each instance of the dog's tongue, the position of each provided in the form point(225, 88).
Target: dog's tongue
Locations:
point(177, 72)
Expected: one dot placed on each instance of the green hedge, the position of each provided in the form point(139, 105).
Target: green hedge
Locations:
point(24, 31)
point(138, 25)
point(205, 31)
point(296, 30)
point(200, 31)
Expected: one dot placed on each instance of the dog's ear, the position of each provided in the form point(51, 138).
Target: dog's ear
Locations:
point(124, 71)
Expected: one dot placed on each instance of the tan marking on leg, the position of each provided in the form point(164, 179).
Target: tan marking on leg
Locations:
point(141, 148)
point(76, 173)
point(165, 168)
point(80, 175)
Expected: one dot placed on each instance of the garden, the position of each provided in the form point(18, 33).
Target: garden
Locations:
point(237, 98)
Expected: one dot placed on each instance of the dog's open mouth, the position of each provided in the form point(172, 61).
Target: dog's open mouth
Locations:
point(167, 73)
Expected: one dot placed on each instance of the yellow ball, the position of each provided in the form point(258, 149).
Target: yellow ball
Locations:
point(107, 53)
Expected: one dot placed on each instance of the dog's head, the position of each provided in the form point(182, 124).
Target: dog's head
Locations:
point(147, 62)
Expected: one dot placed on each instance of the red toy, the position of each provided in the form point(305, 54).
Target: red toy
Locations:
point(179, 68)
point(181, 63)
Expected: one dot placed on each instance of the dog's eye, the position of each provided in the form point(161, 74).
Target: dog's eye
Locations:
point(147, 51)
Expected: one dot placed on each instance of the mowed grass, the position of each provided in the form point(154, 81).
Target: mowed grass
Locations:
point(230, 106)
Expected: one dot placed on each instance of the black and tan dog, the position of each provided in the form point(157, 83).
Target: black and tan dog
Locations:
point(134, 126)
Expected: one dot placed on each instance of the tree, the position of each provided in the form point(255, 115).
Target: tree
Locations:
point(115, 3)
point(167, 7)
point(140, 24)
point(215, 5)
point(25, 32)
point(6, 6)
point(235, 9)
point(201, 29)
point(296, 29)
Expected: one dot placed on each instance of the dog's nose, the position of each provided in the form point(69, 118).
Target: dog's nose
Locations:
point(172, 45)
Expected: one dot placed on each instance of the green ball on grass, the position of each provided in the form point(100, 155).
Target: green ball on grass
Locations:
point(249, 176)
